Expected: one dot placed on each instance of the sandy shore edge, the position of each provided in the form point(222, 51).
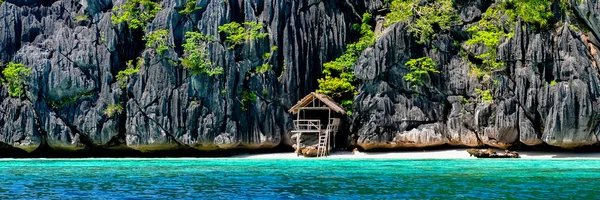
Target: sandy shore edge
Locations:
point(427, 154)
point(346, 155)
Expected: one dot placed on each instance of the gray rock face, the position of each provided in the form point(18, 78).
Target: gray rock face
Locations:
point(589, 12)
point(75, 52)
point(547, 93)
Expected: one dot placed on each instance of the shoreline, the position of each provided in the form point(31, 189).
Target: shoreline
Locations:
point(448, 154)
point(428, 154)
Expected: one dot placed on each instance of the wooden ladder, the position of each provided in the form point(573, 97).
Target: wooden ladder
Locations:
point(323, 141)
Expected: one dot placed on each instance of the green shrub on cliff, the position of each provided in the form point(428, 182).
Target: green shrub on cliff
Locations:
point(489, 32)
point(239, 33)
point(124, 75)
point(266, 66)
point(536, 12)
point(247, 96)
point(158, 40)
point(486, 95)
point(419, 68)
point(498, 22)
point(339, 81)
point(15, 75)
point(424, 19)
point(70, 100)
point(190, 7)
point(113, 110)
point(81, 18)
point(196, 57)
point(137, 13)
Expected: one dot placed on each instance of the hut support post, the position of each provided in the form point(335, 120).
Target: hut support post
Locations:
point(328, 131)
point(298, 152)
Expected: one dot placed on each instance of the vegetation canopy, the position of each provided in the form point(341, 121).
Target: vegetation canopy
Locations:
point(158, 40)
point(113, 110)
point(266, 66)
point(419, 68)
point(239, 33)
point(339, 81)
point(486, 95)
point(247, 96)
point(190, 7)
point(124, 75)
point(15, 75)
point(136, 13)
point(196, 56)
point(498, 23)
point(70, 100)
point(424, 19)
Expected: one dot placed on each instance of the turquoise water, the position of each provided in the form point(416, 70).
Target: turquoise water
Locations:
point(298, 179)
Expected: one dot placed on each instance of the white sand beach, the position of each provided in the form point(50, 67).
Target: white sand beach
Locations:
point(426, 154)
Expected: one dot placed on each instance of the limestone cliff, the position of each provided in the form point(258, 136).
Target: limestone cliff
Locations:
point(546, 94)
point(75, 53)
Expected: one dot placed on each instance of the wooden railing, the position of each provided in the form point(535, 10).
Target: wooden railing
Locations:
point(307, 125)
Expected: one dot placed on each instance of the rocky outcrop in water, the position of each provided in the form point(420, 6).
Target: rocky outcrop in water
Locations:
point(75, 52)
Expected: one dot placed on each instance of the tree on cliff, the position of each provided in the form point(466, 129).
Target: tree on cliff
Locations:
point(15, 75)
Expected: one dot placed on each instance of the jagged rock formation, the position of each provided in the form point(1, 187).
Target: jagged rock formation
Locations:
point(548, 92)
point(75, 61)
point(75, 52)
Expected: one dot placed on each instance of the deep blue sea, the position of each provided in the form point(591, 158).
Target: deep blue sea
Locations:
point(298, 179)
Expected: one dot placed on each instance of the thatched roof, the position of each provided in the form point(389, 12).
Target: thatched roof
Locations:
point(304, 102)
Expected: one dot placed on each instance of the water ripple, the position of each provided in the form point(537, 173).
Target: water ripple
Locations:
point(298, 179)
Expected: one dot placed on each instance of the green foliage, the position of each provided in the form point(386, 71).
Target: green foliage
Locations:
point(489, 32)
point(70, 100)
point(158, 40)
point(136, 13)
point(124, 75)
point(264, 92)
point(263, 68)
point(486, 95)
point(102, 38)
point(282, 72)
point(424, 18)
point(81, 18)
point(239, 33)
point(266, 66)
point(190, 7)
point(113, 110)
point(196, 57)
point(418, 68)
point(564, 4)
point(247, 96)
point(553, 82)
point(536, 12)
point(477, 71)
point(463, 100)
point(339, 82)
point(15, 75)
point(574, 27)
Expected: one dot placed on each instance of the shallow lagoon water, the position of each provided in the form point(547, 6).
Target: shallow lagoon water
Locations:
point(298, 179)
